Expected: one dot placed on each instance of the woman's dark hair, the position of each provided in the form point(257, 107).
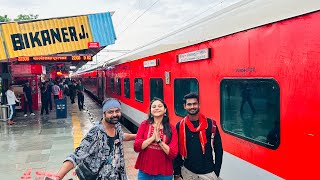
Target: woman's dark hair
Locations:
point(165, 121)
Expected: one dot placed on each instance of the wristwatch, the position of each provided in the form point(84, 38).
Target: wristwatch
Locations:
point(159, 141)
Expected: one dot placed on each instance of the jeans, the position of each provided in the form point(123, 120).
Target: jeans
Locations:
point(50, 102)
point(145, 176)
point(12, 108)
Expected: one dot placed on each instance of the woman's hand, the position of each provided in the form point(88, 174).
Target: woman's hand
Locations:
point(157, 132)
point(154, 133)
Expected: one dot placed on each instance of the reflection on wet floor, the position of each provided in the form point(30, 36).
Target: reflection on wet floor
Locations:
point(37, 145)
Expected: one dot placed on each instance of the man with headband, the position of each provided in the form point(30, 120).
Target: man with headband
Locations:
point(100, 154)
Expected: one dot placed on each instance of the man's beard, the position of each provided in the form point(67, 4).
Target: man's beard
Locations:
point(193, 113)
point(113, 120)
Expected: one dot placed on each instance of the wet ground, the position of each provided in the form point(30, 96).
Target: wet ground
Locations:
point(37, 145)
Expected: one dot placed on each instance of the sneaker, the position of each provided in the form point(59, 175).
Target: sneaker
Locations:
point(25, 115)
point(32, 114)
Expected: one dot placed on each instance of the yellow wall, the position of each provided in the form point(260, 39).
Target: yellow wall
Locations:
point(37, 38)
point(2, 51)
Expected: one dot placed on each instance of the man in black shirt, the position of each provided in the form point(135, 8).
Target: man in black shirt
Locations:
point(27, 99)
point(45, 98)
point(80, 92)
point(198, 137)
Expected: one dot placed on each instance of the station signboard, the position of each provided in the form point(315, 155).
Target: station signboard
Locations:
point(29, 59)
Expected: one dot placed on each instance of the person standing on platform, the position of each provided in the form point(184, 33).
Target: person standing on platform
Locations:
point(49, 89)
point(80, 93)
point(157, 144)
point(27, 99)
point(100, 154)
point(45, 98)
point(198, 139)
point(72, 91)
point(55, 90)
point(12, 99)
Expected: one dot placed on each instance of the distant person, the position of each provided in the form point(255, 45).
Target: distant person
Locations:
point(80, 93)
point(72, 91)
point(100, 154)
point(157, 144)
point(246, 115)
point(246, 97)
point(49, 89)
point(45, 95)
point(27, 91)
point(12, 99)
point(66, 89)
point(199, 138)
point(55, 90)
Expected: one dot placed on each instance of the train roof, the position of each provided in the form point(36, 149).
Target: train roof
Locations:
point(244, 15)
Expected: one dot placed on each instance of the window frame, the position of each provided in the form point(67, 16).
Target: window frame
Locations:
point(174, 95)
point(118, 85)
point(135, 96)
point(222, 116)
point(151, 89)
point(112, 84)
point(124, 87)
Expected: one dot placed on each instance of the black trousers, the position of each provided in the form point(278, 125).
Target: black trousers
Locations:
point(45, 106)
point(50, 102)
point(80, 101)
point(72, 96)
point(26, 105)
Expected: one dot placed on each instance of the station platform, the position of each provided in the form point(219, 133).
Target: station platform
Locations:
point(36, 146)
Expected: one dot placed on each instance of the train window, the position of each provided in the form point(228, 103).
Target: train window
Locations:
point(138, 89)
point(118, 86)
point(112, 85)
point(250, 109)
point(127, 87)
point(181, 88)
point(156, 88)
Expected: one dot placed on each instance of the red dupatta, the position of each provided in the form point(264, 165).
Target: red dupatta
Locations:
point(203, 125)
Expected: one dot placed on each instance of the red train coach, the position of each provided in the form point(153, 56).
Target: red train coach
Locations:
point(94, 83)
point(256, 68)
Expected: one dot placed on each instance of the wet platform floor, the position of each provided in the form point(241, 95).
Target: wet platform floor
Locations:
point(37, 145)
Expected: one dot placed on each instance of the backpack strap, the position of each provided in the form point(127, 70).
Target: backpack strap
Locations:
point(213, 130)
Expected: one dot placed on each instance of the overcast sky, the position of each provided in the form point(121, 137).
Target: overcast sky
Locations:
point(136, 22)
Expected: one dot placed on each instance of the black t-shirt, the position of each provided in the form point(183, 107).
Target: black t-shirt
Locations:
point(111, 141)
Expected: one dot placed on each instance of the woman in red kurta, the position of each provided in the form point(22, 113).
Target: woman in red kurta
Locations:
point(157, 144)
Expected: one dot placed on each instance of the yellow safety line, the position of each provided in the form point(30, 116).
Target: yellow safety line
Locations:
point(77, 131)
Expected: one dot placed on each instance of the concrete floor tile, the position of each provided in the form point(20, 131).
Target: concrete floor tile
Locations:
point(38, 158)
